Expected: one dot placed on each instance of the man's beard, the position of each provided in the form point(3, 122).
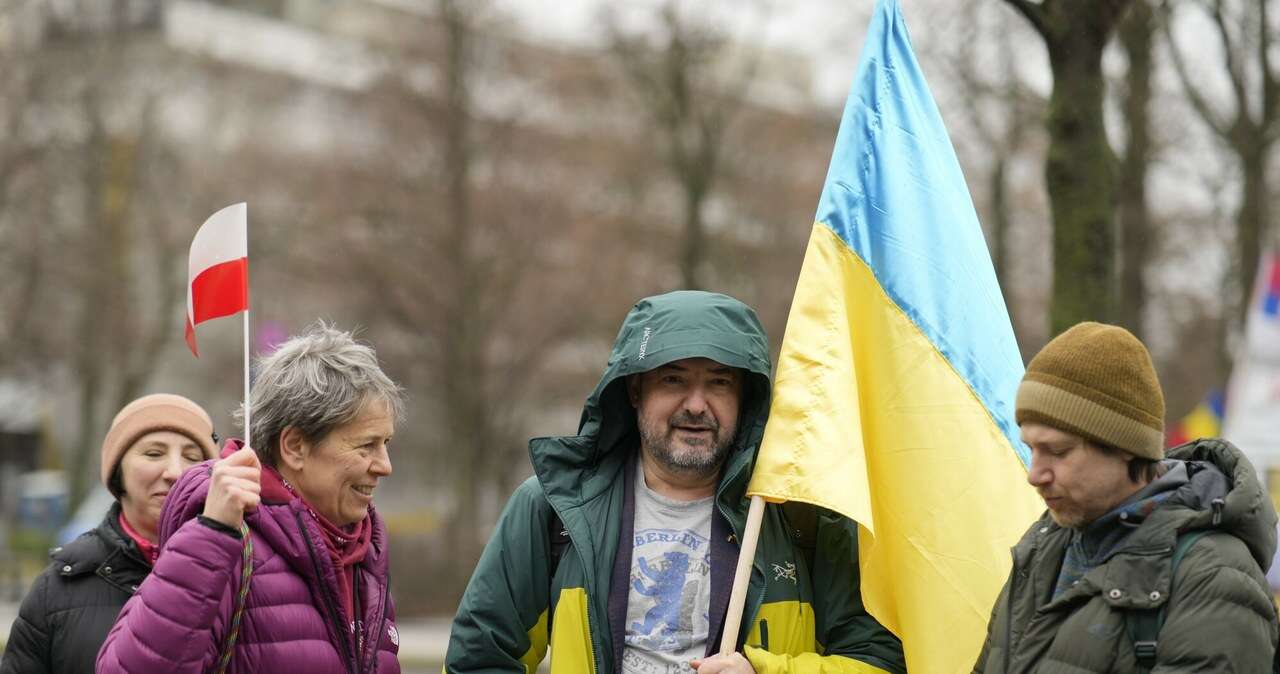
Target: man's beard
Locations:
point(699, 458)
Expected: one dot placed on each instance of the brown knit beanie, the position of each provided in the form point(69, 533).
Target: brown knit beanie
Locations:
point(156, 412)
point(1096, 381)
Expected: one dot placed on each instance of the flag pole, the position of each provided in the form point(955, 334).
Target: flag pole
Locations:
point(247, 436)
point(742, 576)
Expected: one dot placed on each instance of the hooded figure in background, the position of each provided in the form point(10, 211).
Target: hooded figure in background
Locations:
point(1144, 560)
point(619, 553)
point(72, 604)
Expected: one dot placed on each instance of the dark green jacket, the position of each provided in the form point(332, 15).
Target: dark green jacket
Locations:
point(792, 613)
point(1220, 615)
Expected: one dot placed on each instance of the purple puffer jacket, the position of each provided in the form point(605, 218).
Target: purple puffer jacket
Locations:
point(179, 617)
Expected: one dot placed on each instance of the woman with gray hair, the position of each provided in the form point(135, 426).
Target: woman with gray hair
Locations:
point(314, 595)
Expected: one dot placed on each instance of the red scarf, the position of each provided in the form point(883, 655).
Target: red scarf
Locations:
point(149, 550)
point(347, 546)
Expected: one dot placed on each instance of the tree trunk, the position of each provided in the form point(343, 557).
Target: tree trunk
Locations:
point(1080, 174)
point(1000, 225)
point(1137, 32)
point(694, 234)
point(1249, 130)
point(462, 369)
point(1080, 170)
point(1251, 222)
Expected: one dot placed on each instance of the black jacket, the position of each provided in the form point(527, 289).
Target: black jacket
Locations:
point(71, 606)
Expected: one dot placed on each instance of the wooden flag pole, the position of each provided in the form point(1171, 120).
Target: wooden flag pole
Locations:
point(742, 576)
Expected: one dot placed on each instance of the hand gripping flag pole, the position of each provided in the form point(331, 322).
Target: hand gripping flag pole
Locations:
point(218, 279)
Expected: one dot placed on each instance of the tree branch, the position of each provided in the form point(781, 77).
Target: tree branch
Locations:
point(1034, 13)
point(1198, 102)
point(1235, 70)
point(1270, 87)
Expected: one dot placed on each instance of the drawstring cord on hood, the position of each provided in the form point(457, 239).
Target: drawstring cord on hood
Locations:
point(1217, 505)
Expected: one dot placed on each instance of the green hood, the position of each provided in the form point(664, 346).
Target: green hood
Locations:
point(658, 330)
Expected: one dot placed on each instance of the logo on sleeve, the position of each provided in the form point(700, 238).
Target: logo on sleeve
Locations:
point(394, 634)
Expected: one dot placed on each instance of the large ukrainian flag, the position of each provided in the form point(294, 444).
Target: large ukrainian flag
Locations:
point(894, 395)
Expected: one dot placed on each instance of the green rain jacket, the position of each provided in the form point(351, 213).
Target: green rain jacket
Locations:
point(797, 619)
point(1219, 612)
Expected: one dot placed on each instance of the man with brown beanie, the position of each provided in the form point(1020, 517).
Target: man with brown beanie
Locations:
point(1144, 561)
point(73, 603)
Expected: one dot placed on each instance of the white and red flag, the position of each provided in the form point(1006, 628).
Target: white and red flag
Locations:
point(218, 269)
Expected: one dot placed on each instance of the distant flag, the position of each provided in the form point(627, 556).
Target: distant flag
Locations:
point(1253, 412)
point(218, 269)
point(896, 381)
point(1269, 287)
point(1203, 421)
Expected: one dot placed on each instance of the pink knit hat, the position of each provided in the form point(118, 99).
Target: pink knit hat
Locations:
point(156, 412)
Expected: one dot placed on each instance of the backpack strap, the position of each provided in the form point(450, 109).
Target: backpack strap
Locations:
point(559, 537)
point(1143, 625)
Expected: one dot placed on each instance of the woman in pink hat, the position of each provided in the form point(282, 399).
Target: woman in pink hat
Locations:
point(73, 603)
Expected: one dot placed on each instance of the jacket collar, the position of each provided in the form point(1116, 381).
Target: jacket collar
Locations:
point(104, 551)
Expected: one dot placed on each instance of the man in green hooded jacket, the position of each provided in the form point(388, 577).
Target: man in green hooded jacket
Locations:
point(1145, 560)
point(651, 496)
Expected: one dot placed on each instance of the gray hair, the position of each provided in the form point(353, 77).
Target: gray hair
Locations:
point(315, 382)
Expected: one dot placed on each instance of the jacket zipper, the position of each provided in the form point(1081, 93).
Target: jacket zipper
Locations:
point(343, 631)
point(358, 609)
point(745, 619)
point(382, 621)
point(591, 631)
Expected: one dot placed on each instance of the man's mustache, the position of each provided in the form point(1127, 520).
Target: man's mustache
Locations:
point(702, 421)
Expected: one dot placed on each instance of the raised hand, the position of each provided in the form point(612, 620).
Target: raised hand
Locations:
point(235, 488)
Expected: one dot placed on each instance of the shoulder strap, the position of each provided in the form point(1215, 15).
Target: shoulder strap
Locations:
point(1143, 625)
point(559, 538)
point(242, 592)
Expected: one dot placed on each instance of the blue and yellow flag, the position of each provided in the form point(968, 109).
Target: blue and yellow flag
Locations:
point(894, 396)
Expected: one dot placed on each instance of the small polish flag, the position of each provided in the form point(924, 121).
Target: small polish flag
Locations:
point(218, 269)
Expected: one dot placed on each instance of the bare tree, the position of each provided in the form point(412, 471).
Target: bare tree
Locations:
point(129, 276)
point(1248, 126)
point(455, 243)
point(21, 253)
point(1137, 38)
point(118, 270)
point(1004, 114)
point(678, 78)
point(1080, 169)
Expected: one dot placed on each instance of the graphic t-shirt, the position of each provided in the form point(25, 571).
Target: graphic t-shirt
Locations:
point(670, 592)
